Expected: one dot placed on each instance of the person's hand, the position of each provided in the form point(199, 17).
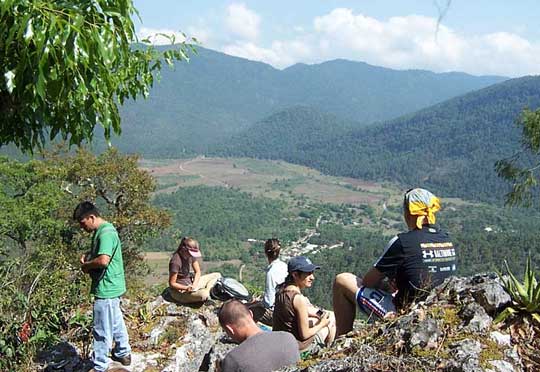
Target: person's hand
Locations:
point(83, 267)
point(325, 319)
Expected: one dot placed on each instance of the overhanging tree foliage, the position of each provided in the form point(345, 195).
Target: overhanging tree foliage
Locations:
point(66, 65)
point(522, 168)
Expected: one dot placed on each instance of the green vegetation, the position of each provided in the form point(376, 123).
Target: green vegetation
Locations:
point(66, 66)
point(450, 148)
point(281, 133)
point(521, 169)
point(43, 294)
point(221, 95)
point(224, 219)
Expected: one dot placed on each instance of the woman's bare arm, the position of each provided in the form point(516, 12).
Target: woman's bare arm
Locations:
point(302, 317)
point(197, 270)
point(174, 285)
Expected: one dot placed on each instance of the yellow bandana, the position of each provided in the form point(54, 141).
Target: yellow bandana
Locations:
point(424, 204)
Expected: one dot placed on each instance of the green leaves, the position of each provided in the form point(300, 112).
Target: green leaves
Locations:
point(520, 170)
point(525, 295)
point(41, 284)
point(66, 67)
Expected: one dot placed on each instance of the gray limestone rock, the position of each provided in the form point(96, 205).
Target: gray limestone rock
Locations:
point(465, 356)
point(476, 318)
point(491, 296)
point(500, 338)
point(502, 366)
point(400, 344)
point(426, 333)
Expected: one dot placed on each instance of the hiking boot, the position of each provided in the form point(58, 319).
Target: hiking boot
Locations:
point(125, 360)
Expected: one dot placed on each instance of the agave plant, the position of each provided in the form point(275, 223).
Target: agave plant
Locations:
point(525, 296)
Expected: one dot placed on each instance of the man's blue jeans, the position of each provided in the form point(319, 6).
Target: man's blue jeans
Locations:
point(109, 326)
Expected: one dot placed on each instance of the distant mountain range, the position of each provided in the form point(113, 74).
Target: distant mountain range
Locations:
point(216, 95)
point(450, 147)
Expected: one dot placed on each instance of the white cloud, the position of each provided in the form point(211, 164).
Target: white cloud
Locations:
point(404, 42)
point(414, 42)
point(242, 22)
point(280, 54)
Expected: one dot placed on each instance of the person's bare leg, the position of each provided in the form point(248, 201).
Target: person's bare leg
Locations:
point(332, 327)
point(344, 302)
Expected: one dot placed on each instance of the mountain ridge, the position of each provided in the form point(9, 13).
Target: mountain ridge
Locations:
point(216, 95)
point(459, 139)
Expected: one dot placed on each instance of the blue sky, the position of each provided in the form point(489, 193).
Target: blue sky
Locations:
point(476, 36)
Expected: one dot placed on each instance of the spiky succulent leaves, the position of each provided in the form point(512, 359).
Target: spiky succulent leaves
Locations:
point(509, 311)
point(516, 290)
point(526, 295)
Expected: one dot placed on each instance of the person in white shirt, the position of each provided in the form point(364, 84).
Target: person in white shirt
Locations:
point(276, 272)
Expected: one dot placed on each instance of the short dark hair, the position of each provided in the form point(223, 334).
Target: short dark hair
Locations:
point(84, 209)
point(233, 312)
point(272, 247)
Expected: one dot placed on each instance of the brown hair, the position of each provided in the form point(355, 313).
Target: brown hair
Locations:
point(233, 312)
point(272, 247)
point(186, 240)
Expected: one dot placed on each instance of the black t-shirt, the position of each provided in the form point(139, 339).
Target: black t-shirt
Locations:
point(418, 260)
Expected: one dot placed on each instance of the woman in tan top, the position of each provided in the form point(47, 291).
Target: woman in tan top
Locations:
point(313, 328)
point(184, 286)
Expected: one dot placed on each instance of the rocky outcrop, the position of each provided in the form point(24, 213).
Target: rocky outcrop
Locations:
point(452, 330)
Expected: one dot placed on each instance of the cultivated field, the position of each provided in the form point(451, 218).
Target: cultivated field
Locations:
point(275, 179)
point(280, 180)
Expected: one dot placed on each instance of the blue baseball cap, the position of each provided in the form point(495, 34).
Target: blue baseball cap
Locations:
point(301, 263)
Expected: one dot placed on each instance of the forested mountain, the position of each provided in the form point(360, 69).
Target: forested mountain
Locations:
point(282, 132)
point(450, 147)
point(216, 95)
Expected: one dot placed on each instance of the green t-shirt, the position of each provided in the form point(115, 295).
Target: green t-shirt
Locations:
point(113, 283)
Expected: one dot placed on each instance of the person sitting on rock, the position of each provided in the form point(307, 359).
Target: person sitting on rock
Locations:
point(276, 272)
point(413, 262)
point(258, 351)
point(312, 328)
point(186, 287)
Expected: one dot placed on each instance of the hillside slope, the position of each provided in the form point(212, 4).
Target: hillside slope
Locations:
point(282, 132)
point(450, 147)
point(216, 95)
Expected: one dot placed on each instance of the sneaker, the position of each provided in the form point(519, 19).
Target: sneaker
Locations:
point(125, 360)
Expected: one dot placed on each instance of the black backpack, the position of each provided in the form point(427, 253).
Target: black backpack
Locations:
point(227, 288)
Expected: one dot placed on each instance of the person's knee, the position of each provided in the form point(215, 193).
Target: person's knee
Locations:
point(345, 281)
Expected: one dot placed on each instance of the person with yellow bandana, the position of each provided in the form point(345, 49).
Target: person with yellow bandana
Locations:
point(412, 263)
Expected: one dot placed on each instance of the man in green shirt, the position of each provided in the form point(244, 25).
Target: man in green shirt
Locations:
point(105, 266)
